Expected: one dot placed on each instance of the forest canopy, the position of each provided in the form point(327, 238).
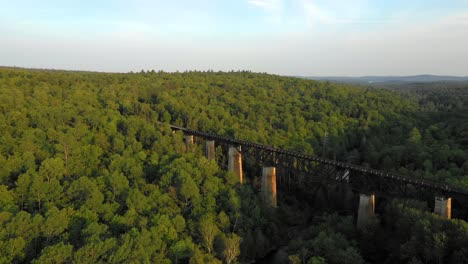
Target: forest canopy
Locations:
point(87, 175)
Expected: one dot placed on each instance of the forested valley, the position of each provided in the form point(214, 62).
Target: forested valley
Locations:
point(89, 175)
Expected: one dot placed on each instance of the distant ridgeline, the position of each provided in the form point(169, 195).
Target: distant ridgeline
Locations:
point(87, 175)
point(394, 79)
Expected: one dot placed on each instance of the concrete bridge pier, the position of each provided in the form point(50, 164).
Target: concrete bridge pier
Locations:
point(443, 206)
point(189, 140)
point(366, 211)
point(235, 161)
point(269, 186)
point(210, 150)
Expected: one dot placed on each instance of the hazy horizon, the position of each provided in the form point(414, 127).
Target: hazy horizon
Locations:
point(205, 70)
point(294, 38)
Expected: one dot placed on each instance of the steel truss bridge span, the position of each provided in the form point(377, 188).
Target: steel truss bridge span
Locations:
point(361, 178)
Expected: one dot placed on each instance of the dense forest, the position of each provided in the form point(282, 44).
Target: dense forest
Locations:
point(88, 175)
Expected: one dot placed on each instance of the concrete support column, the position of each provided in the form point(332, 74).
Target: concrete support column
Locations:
point(366, 210)
point(269, 186)
point(189, 140)
point(443, 207)
point(235, 161)
point(210, 150)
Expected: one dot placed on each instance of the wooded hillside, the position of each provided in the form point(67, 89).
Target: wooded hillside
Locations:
point(88, 176)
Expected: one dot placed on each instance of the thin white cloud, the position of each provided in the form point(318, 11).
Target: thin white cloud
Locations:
point(339, 12)
point(268, 5)
point(315, 14)
point(460, 19)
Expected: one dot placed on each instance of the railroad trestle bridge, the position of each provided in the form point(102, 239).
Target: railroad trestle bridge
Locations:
point(298, 170)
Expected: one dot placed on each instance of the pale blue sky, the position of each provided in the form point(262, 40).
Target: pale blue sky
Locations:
point(295, 37)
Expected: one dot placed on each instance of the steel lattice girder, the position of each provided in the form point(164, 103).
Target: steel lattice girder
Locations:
point(363, 178)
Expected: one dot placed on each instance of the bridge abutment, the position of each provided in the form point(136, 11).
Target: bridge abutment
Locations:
point(366, 211)
point(443, 207)
point(235, 161)
point(210, 150)
point(269, 186)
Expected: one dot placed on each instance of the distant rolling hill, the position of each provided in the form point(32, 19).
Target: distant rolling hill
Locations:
point(392, 79)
